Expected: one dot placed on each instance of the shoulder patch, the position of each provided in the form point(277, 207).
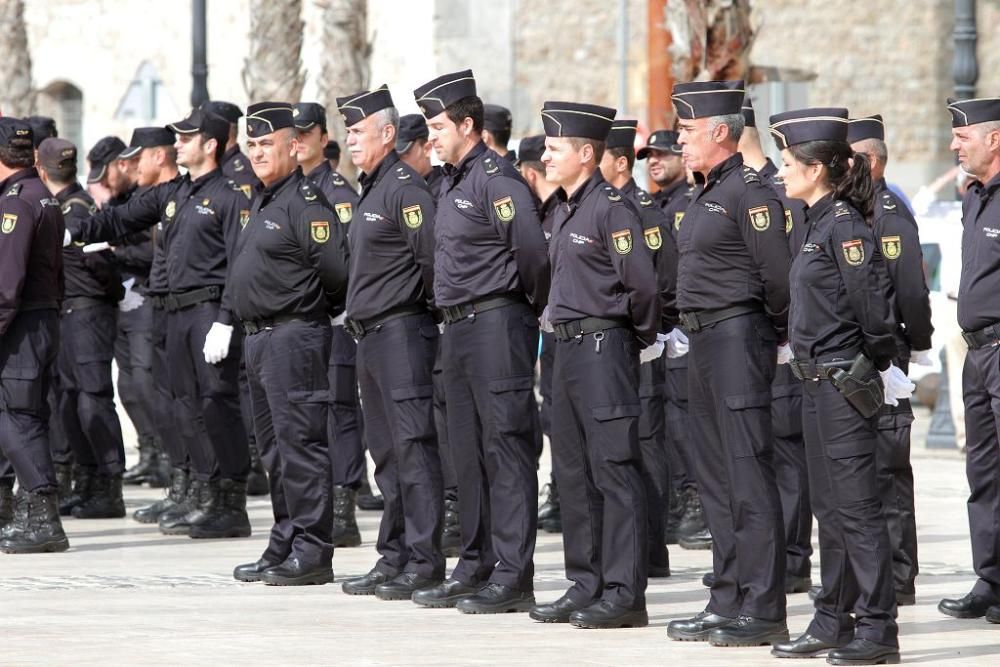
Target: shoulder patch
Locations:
point(504, 208)
point(750, 176)
point(612, 193)
point(320, 230)
point(244, 217)
point(678, 216)
point(307, 192)
point(344, 211)
point(413, 216)
point(401, 174)
point(338, 179)
point(14, 191)
point(653, 238)
point(8, 223)
point(892, 247)
point(888, 202)
point(760, 218)
point(840, 209)
point(622, 241)
point(854, 252)
point(789, 222)
point(490, 166)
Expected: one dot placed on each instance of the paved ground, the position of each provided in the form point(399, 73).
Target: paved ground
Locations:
point(126, 594)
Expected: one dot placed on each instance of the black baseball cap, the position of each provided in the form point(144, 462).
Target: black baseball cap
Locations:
point(412, 126)
point(307, 114)
point(332, 150)
point(56, 153)
point(214, 126)
point(147, 137)
point(496, 118)
point(103, 152)
point(227, 110)
point(42, 127)
point(660, 140)
point(531, 148)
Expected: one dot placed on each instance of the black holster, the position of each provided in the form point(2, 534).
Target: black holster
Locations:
point(861, 385)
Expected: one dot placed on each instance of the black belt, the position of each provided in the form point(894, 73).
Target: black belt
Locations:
point(250, 327)
point(38, 305)
point(361, 328)
point(695, 322)
point(173, 302)
point(463, 311)
point(811, 369)
point(81, 302)
point(588, 325)
point(985, 337)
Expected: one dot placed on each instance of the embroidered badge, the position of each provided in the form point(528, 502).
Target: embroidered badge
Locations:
point(171, 209)
point(760, 218)
point(788, 221)
point(504, 208)
point(678, 216)
point(344, 211)
point(244, 217)
point(623, 241)
point(413, 217)
point(247, 191)
point(854, 252)
point(653, 238)
point(892, 247)
point(9, 222)
point(320, 230)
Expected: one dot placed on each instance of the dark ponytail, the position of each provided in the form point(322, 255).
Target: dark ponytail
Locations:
point(849, 174)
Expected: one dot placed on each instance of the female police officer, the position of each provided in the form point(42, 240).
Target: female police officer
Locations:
point(841, 343)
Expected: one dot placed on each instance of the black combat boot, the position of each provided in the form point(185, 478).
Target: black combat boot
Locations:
point(178, 489)
point(345, 524)
point(6, 504)
point(692, 528)
point(226, 513)
point(82, 488)
point(159, 470)
point(257, 479)
point(451, 534)
point(36, 527)
point(673, 517)
point(174, 521)
point(367, 500)
point(549, 513)
point(138, 473)
point(105, 501)
point(64, 479)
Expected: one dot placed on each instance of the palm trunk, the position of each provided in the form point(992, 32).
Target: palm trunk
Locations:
point(711, 39)
point(17, 97)
point(273, 71)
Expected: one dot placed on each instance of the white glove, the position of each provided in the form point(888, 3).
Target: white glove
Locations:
point(440, 328)
point(96, 247)
point(784, 353)
point(132, 299)
point(896, 384)
point(677, 344)
point(543, 322)
point(654, 351)
point(339, 320)
point(217, 342)
point(921, 357)
point(67, 238)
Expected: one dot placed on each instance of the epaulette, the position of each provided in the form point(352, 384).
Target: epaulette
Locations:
point(338, 179)
point(643, 197)
point(840, 209)
point(887, 202)
point(401, 174)
point(234, 185)
point(14, 191)
point(490, 166)
point(612, 194)
point(750, 176)
point(306, 190)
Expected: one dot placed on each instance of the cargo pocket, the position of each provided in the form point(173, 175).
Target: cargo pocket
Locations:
point(786, 410)
point(22, 389)
point(414, 412)
point(852, 470)
point(94, 377)
point(746, 427)
point(307, 413)
point(512, 401)
point(616, 432)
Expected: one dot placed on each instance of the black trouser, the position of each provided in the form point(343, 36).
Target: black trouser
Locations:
point(730, 368)
point(981, 385)
point(655, 464)
point(791, 470)
point(489, 370)
point(545, 364)
point(134, 356)
point(345, 424)
point(441, 425)
point(394, 370)
point(286, 371)
point(167, 415)
point(87, 396)
point(679, 445)
point(895, 487)
point(28, 350)
point(62, 453)
point(207, 396)
point(854, 553)
point(598, 468)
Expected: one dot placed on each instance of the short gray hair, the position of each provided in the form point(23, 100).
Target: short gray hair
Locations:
point(734, 122)
point(387, 116)
point(989, 126)
point(875, 147)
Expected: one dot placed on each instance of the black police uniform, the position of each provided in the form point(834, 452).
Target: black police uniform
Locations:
point(790, 466)
point(288, 276)
point(87, 329)
point(547, 212)
point(392, 274)
point(236, 166)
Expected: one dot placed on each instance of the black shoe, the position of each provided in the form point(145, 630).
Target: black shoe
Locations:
point(295, 573)
point(550, 511)
point(365, 585)
point(105, 501)
point(36, 527)
point(993, 614)
point(864, 652)
point(672, 517)
point(795, 584)
point(257, 484)
point(749, 631)
point(252, 571)
point(696, 629)
point(815, 592)
point(496, 599)
point(904, 599)
point(556, 612)
point(805, 646)
point(82, 483)
point(64, 479)
point(367, 500)
point(603, 615)
point(451, 534)
point(658, 571)
point(6, 503)
point(160, 476)
point(345, 524)
point(692, 519)
point(147, 463)
point(700, 541)
point(445, 594)
point(970, 606)
point(403, 586)
point(708, 579)
point(226, 514)
point(178, 489)
point(177, 521)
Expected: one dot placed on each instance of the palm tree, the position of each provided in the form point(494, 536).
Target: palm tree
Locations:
point(273, 71)
point(17, 97)
point(711, 39)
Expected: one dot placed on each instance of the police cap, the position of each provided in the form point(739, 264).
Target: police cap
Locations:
point(307, 114)
point(412, 126)
point(42, 127)
point(531, 148)
point(704, 99)
point(805, 125)
point(103, 152)
point(496, 118)
point(570, 119)
point(332, 150)
point(55, 153)
point(664, 141)
point(214, 126)
point(749, 117)
point(147, 137)
point(266, 118)
point(870, 127)
point(227, 110)
point(355, 108)
point(622, 134)
point(438, 94)
point(972, 112)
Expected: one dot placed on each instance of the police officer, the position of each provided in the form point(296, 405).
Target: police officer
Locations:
point(234, 163)
point(976, 139)
point(842, 342)
point(548, 196)
point(603, 308)
point(664, 166)
point(616, 168)
point(31, 225)
point(732, 293)
point(288, 278)
point(110, 178)
point(497, 125)
point(332, 153)
point(491, 284)
point(388, 300)
point(87, 337)
point(201, 216)
point(347, 450)
point(415, 150)
point(910, 308)
point(790, 470)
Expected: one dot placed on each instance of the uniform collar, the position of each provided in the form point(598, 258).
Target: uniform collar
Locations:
point(721, 170)
point(881, 186)
point(769, 170)
point(206, 177)
point(557, 197)
point(463, 166)
point(629, 188)
point(987, 190)
point(69, 191)
point(273, 189)
point(817, 210)
point(673, 188)
point(591, 184)
point(368, 181)
point(320, 170)
point(19, 176)
point(231, 153)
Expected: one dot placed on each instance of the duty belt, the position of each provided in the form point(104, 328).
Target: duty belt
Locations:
point(463, 311)
point(811, 369)
point(985, 337)
point(361, 328)
point(173, 302)
point(251, 327)
point(702, 319)
point(588, 325)
point(81, 302)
